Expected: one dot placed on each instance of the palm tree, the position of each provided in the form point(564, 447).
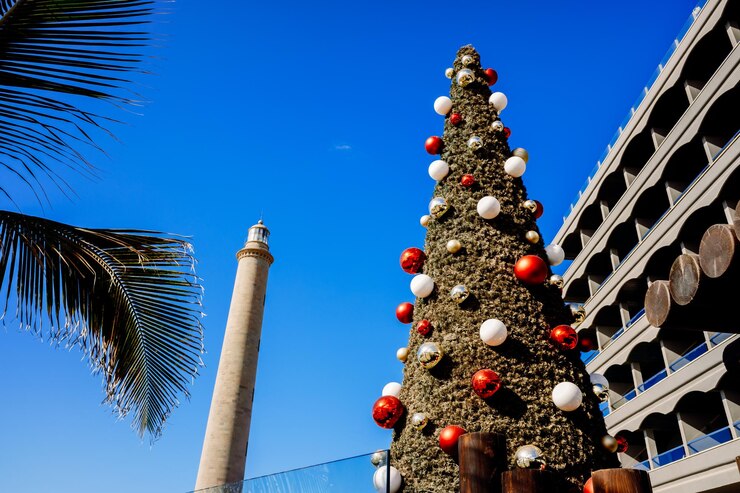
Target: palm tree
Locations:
point(128, 298)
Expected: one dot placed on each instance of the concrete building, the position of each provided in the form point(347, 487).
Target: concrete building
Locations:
point(670, 172)
point(224, 452)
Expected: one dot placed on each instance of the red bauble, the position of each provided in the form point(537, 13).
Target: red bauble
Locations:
point(586, 343)
point(540, 209)
point(434, 144)
point(531, 269)
point(589, 486)
point(456, 119)
point(424, 327)
point(448, 439)
point(622, 444)
point(467, 180)
point(405, 312)
point(507, 132)
point(412, 260)
point(486, 383)
point(564, 337)
point(387, 410)
point(491, 75)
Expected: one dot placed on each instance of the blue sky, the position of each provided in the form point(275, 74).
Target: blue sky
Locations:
point(314, 115)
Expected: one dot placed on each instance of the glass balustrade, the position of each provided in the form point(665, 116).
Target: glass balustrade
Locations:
point(719, 338)
point(671, 455)
point(713, 439)
point(652, 381)
point(356, 474)
point(690, 356)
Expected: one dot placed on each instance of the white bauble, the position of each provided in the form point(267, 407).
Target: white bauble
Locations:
point(599, 379)
point(424, 220)
point(442, 105)
point(522, 153)
point(498, 100)
point(381, 477)
point(392, 388)
point(438, 169)
point(515, 166)
point(422, 285)
point(567, 396)
point(493, 332)
point(555, 254)
point(402, 354)
point(488, 207)
point(449, 72)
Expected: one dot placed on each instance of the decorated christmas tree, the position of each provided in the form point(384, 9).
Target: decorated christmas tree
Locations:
point(491, 346)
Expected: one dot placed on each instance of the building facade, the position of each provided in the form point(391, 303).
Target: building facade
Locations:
point(670, 172)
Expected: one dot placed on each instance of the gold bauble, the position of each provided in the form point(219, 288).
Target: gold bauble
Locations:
point(402, 354)
point(610, 443)
point(424, 220)
point(532, 236)
point(521, 152)
point(530, 205)
point(449, 72)
point(453, 246)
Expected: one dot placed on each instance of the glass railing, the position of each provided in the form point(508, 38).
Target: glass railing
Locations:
point(652, 380)
point(643, 466)
point(624, 399)
point(361, 474)
point(719, 338)
point(643, 93)
point(604, 408)
point(689, 357)
point(713, 439)
point(670, 456)
point(588, 356)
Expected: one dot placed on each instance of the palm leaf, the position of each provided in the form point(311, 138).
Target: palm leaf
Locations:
point(127, 298)
point(55, 55)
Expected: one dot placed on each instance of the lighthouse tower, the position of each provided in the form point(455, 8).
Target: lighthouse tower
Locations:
point(224, 452)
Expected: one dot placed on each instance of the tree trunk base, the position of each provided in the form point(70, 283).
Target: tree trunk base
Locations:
point(621, 481)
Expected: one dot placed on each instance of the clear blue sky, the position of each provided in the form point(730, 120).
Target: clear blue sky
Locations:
point(316, 115)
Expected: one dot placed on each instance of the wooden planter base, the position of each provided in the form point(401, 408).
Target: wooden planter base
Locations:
point(526, 481)
point(621, 481)
point(482, 458)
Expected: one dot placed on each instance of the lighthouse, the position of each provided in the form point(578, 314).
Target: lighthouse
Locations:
point(224, 452)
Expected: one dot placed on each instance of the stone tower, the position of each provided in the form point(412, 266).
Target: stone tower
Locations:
point(224, 452)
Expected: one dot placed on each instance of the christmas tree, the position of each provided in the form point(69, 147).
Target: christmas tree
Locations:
point(491, 348)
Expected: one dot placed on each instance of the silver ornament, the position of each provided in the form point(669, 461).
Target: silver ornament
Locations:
point(378, 458)
point(497, 126)
point(449, 72)
point(438, 206)
point(467, 60)
point(459, 293)
point(579, 313)
point(419, 421)
point(429, 354)
point(556, 280)
point(475, 143)
point(601, 391)
point(465, 77)
point(530, 457)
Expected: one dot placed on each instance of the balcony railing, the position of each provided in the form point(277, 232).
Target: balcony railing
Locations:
point(653, 77)
point(689, 357)
point(719, 338)
point(704, 442)
point(652, 381)
point(356, 474)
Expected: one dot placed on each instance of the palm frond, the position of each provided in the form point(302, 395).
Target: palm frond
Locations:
point(54, 55)
point(129, 299)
